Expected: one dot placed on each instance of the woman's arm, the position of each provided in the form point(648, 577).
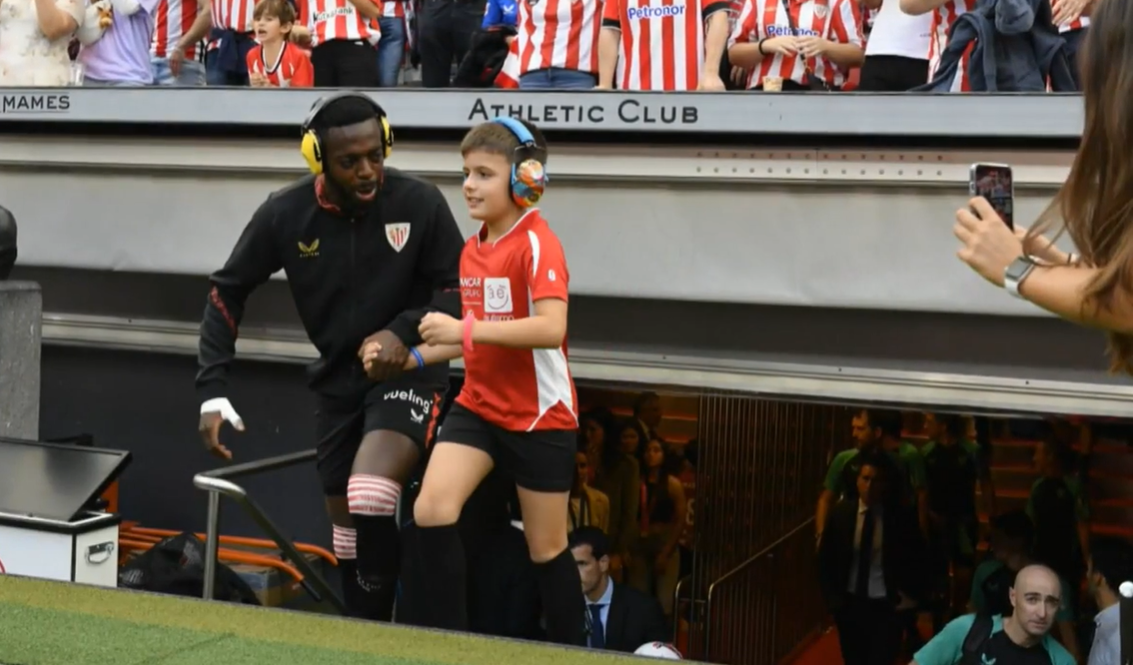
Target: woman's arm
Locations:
point(1061, 289)
point(54, 22)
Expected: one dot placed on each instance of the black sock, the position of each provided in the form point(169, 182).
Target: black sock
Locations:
point(444, 578)
point(352, 593)
point(563, 606)
point(379, 562)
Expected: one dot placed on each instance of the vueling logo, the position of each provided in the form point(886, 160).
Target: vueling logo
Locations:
point(308, 251)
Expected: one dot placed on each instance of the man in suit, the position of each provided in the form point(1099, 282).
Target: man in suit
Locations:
point(7, 242)
point(869, 566)
point(588, 506)
point(618, 618)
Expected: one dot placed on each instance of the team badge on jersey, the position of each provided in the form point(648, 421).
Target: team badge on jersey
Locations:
point(397, 234)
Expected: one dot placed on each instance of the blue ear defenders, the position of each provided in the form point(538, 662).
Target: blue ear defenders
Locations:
point(528, 177)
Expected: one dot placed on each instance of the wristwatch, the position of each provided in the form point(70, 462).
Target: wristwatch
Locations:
point(1015, 273)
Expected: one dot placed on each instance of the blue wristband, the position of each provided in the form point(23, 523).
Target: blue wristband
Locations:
point(417, 355)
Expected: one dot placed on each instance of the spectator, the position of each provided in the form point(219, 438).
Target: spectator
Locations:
point(1020, 638)
point(344, 34)
point(8, 251)
point(815, 51)
point(618, 476)
point(231, 37)
point(684, 456)
point(1111, 564)
point(944, 14)
point(588, 506)
point(446, 29)
point(557, 49)
point(869, 567)
point(174, 55)
point(687, 38)
point(655, 562)
point(619, 618)
point(896, 54)
point(393, 26)
point(34, 35)
point(647, 415)
point(120, 56)
point(630, 438)
point(276, 62)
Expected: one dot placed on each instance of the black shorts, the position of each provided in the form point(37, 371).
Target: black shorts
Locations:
point(407, 407)
point(541, 461)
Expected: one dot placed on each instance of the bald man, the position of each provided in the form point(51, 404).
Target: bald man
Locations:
point(1020, 639)
point(7, 243)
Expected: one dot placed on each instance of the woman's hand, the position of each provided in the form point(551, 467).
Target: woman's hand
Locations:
point(812, 47)
point(988, 246)
point(785, 45)
point(437, 328)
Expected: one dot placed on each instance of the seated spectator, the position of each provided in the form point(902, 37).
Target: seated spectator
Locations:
point(7, 243)
point(275, 62)
point(34, 36)
point(1021, 638)
point(619, 618)
point(120, 55)
point(799, 49)
point(588, 506)
point(177, 38)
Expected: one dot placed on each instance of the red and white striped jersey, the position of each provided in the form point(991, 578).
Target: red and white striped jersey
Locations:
point(835, 20)
point(662, 41)
point(337, 19)
point(1076, 24)
point(509, 72)
point(943, 18)
point(233, 15)
point(172, 20)
point(559, 33)
point(395, 9)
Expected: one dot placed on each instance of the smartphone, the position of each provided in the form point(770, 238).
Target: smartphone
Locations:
point(995, 183)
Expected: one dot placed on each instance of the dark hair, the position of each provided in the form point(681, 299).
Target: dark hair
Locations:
point(343, 112)
point(611, 446)
point(497, 138)
point(1015, 525)
point(7, 243)
point(1112, 558)
point(891, 423)
point(875, 459)
point(1059, 437)
point(641, 399)
point(951, 423)
point(594, 537)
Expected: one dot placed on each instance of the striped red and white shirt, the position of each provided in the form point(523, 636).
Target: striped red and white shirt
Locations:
point(1076, 24)
point(291, 69)
point(662, 41)
point(234, 15)
point(835, 20)
point(172, 20)
point(337, 19)
point(559, 33)
point(509, 73)
point(943, 18)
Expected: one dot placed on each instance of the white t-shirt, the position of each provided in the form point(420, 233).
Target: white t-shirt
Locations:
point(896, 33)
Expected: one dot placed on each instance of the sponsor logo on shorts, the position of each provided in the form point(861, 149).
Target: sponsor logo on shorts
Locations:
point(424, 404)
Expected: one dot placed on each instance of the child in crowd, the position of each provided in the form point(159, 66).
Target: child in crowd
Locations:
point(276, 62)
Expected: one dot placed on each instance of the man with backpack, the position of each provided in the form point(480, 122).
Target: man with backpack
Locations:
point(1021, 638)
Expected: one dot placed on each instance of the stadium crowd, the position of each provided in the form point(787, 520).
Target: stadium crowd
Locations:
point(669, 45)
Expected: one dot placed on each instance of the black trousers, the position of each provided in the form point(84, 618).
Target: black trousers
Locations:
point(445, 30)
point(869, 632)
point(343, 63)
point(892, 73)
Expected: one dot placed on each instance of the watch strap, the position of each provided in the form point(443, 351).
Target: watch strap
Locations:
point(1016, 272)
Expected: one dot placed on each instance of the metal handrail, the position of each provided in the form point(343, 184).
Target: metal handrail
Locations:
point(676, 606)
point(766, 551)
point(219, 481)
point(1125, 622)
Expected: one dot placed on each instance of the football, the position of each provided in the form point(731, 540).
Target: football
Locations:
point(658, 650)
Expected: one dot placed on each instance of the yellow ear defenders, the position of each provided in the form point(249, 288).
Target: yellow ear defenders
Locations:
point(312, 148)
point(528, 177)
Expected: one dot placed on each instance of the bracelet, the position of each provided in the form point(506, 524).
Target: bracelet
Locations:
point(468, 322)
point(417, 356)
point(760, 46)
point(1070, 258)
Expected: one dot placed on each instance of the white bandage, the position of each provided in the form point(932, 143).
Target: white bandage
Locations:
point(90, 31)
point(222, 406)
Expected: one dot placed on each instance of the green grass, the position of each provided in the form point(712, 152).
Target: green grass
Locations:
point(53, 623)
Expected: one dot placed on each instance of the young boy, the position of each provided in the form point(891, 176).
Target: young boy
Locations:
point(518, 407)
point(275, 62)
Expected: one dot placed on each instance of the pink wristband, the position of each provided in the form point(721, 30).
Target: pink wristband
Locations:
point(468, 321)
